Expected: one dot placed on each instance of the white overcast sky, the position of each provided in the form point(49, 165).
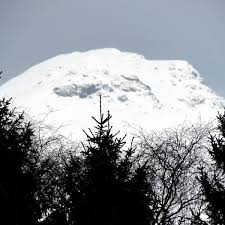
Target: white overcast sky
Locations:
point(32, 31)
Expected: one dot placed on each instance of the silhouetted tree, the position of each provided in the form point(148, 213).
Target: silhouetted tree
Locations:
point(27, 185)
point(213, 182)
point(106, 185)
point(18, 160)
point(174, 156)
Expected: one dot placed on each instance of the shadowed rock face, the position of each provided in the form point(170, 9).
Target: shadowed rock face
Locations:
point(71, 90)
point(123, 85)
point(123, 98)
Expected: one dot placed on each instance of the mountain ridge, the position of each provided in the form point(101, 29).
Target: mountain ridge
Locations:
point(149, 93)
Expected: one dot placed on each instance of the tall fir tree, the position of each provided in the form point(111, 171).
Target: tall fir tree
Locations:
point(25, 192)
point(213, 183)
point(106, 185)
point(17, 164)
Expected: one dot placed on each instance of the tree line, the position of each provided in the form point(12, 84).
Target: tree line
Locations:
point(176, 176)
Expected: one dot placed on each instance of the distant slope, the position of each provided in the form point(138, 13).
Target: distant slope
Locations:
point(148, 93)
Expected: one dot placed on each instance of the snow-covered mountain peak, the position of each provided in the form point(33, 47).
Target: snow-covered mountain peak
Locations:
point(150, 93)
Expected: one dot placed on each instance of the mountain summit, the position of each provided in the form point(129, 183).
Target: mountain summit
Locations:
point(147, 93)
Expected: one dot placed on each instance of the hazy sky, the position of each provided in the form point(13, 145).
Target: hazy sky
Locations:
point(32, 31)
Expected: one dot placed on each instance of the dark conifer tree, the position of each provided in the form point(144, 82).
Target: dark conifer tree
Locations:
point(23, 174)
point(213, 183)
point(105, 185)
point(17, 162)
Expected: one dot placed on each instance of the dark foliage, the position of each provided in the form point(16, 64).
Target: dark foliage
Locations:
point(105, 185)
point(101, 185)
point(26, 182)
point(213, 182)
point(18, 183)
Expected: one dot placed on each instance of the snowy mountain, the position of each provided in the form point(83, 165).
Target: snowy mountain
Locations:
point(147, 93)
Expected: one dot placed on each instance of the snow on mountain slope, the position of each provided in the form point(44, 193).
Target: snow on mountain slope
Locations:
point(148, 93)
